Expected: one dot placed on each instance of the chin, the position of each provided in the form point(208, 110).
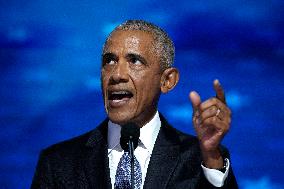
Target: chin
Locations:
point(120, 118)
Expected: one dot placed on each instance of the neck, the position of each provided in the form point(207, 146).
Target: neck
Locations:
point(148, 116)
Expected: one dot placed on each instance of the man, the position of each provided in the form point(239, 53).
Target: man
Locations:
point(136, 68)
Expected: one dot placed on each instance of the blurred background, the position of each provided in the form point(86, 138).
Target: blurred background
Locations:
point(50, 53)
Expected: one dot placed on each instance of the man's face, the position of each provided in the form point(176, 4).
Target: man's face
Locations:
point(130, 77)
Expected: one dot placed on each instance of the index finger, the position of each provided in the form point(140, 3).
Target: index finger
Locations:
point(219, 91)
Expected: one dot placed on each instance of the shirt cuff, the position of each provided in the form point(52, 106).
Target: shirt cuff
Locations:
point(216, 177)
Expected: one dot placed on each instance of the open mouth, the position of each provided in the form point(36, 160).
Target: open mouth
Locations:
point(120, 97)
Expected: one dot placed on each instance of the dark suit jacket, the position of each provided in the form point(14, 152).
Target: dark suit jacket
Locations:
point(82, 162)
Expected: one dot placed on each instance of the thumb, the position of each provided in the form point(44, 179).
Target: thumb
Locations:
point(195, 100)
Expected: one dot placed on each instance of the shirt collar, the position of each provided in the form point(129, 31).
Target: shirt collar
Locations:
point(148, 133)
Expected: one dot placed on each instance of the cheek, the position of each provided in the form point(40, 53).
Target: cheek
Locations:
point(104, 78)
point(104, 84)
point(148, 89)
point(106, 73)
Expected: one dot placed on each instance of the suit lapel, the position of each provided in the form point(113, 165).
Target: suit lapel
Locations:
point(95, 163)
point(164, 157)
point(163, 160)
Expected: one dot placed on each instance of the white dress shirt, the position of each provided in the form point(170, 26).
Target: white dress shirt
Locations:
point(148, 136)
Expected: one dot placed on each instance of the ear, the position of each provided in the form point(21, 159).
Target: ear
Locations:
point(169, 79)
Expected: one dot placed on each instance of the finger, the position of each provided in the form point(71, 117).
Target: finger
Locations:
point(219, 91)
point(197, 126)
point(195, 100)
point(208, 103)
point(214, 111)
point(213, 102)
point(209, 112)
point(214, 123)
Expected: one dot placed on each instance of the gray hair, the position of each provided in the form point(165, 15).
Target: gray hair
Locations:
point(163, 45)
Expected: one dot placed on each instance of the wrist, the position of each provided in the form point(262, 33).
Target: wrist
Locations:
point(212, 159)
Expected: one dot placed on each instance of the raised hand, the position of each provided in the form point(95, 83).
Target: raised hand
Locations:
point(211, 120)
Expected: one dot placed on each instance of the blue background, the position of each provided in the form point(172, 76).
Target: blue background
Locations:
point(50, 75)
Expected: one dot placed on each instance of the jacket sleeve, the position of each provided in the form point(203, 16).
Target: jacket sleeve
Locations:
point(230, 182)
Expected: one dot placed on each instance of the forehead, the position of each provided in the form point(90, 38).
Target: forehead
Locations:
point(132, 41)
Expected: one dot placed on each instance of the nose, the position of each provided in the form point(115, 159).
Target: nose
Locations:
point(120, 72)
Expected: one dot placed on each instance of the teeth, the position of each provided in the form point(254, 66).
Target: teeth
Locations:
point(120, 92)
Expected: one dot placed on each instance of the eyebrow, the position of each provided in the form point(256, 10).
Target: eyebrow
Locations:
point(109, 55)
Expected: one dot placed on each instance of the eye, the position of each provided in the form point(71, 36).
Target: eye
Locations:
point(109, 61)
point(135, 61)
